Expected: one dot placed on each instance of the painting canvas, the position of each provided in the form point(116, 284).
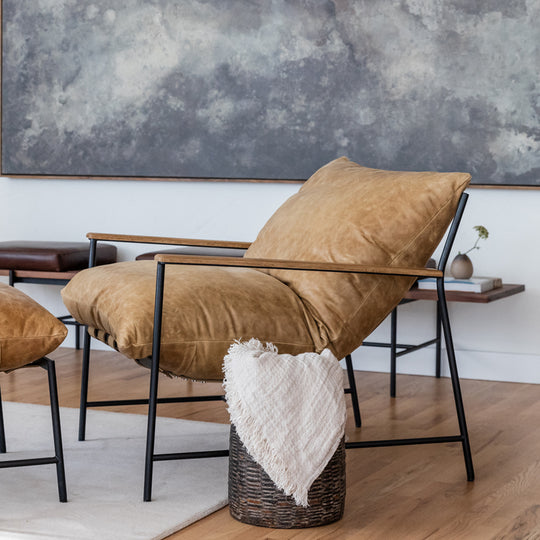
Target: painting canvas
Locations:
point(270, 89)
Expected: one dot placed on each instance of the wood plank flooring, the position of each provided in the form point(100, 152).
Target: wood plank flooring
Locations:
point(392, 493)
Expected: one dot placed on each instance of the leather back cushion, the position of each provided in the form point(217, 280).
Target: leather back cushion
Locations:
point(27, 330)
point(352, 214)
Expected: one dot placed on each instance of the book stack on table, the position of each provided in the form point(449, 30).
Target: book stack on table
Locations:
point(474, 284)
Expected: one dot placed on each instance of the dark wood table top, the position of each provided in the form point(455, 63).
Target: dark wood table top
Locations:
point(459, 296)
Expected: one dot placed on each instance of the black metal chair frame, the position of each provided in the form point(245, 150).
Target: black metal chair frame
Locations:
point(393, 345)
point(153, 399)
point(58, 458)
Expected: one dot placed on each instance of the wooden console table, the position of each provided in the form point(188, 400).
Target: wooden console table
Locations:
point(401, 349)
point(459, 296)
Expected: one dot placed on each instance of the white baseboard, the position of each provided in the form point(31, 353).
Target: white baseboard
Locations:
point(483, 365)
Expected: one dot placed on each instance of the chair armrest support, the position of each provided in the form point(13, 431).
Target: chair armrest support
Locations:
point(137, 239)
point(278, 264)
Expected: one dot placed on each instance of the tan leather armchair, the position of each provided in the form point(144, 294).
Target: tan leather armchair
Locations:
point(325, 270)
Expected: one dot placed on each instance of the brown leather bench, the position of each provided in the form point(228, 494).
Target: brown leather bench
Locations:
point(49, 263)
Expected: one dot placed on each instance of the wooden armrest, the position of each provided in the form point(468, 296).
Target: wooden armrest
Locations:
point(137, 239)
point(278, 264)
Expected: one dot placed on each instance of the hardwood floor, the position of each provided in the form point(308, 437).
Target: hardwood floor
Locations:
point(392, 493)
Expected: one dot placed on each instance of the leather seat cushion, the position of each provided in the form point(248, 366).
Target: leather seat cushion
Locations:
point(205, 310)
point(52, 256)
point(347, 213)
point(27, 330)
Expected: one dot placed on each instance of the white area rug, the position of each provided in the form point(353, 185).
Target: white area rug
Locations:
point(105, 477)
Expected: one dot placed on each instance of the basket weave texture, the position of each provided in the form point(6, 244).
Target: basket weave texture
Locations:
point(255, 499)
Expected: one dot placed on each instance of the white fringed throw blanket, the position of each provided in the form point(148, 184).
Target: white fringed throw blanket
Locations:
point(289, 411)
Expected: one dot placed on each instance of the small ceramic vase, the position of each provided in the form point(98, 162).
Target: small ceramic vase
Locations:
point(461, 267)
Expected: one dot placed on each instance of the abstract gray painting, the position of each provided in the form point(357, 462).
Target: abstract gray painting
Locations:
point(270, 89)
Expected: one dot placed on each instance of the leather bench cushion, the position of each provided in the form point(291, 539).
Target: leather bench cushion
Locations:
point(193, 250)
point(27, 330)
point(205, 310)
point(347, 213)
point(52, 256)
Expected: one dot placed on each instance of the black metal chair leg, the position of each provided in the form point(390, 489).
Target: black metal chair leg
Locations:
point(455, 380)
point(438, 343)
point(58, 458)
point(2, 431)
point(151, 433)
point(353, 391)
point(86, 356)
point(393, 351)
point(57, 433)
point(154, 376)
point(84, 386)
point(78, 336)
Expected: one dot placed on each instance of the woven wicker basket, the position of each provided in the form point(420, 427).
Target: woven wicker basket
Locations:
point(254, 498)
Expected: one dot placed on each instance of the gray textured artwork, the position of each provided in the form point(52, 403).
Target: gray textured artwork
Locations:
point(270, 88)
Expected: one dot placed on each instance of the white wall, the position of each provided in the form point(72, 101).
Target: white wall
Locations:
point(499, 341)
